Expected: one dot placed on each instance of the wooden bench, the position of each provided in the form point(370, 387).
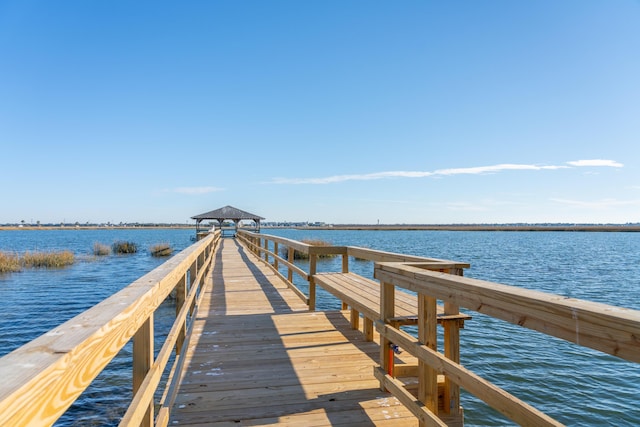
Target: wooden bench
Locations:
point(362, 295)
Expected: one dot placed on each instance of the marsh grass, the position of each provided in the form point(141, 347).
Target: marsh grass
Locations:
point(51, 259)
point(100, 249)
point(9, 262)
point(313, 242)
point(160, 249)
point(122, 247)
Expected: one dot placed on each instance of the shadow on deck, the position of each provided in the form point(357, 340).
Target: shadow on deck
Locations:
point(257, 356)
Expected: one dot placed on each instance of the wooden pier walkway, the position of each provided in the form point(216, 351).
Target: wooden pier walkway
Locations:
point(248, 348)
point(257, 356)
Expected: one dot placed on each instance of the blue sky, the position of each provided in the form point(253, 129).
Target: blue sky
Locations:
point(336, 111)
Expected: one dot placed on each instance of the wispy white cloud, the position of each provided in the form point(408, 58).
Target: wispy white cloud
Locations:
point(360, 177)
point(494, 169)
point(477, 170)
point(596, 162)
point(193, 190)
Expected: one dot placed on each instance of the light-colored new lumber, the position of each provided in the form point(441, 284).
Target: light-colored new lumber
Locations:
point(603, 327)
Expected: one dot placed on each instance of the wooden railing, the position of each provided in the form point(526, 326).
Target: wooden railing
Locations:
point(268, 248)
point(612, 330)
point(41, 379)
point(609, 329)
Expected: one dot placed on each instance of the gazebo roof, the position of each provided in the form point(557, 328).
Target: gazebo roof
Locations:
point(227, 212)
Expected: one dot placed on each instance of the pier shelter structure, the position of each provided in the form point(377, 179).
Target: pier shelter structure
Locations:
point(227, 213)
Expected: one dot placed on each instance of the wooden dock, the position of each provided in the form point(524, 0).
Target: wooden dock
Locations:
point(257, 356)
point(249, 348)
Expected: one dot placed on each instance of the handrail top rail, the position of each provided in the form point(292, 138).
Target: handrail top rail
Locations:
point(498, 289)
point(607, 328)
point(356, 251)
point(386, 256)
point(301, 246)
point(137, 300)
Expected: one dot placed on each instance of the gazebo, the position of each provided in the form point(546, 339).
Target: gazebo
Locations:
point(228, 213)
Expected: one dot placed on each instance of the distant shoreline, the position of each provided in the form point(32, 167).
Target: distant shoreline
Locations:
point(92, 227)
point(372, 227)
point(478, 227)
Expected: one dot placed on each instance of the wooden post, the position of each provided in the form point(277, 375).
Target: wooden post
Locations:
point(266, 249)
point(275, 258)
point(181, 296)
point(355, 318)
point(193, 274)
point(367, 329)
point(452, 352)
point(427, 335)
point(290, 259)
point(142, 362)
point(313, 259)
point(387, 311)
point(345, 269)
point(345, 262)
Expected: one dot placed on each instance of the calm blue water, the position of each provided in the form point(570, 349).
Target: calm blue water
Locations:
point(47, 298)
point(577, 386)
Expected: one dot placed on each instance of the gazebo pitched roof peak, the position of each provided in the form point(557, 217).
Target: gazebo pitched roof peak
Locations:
point(227, 212)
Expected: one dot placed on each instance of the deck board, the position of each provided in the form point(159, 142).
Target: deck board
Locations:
point(257, 356)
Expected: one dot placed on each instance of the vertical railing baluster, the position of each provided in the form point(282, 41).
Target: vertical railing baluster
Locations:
point(452, 352)
point(290, 251)
point(266, 250)
point(142, 362)
point(387, 311)
point(345, 269)
point(275, 258)
point(313, 258)
point(193, 274)
point(181, 296)
point(427, 335)
point(345, 261)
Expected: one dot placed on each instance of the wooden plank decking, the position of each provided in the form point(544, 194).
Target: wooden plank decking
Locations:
point(257, 356)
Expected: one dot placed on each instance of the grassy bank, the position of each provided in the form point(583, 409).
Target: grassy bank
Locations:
point(160, 250)
point(11, 262)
